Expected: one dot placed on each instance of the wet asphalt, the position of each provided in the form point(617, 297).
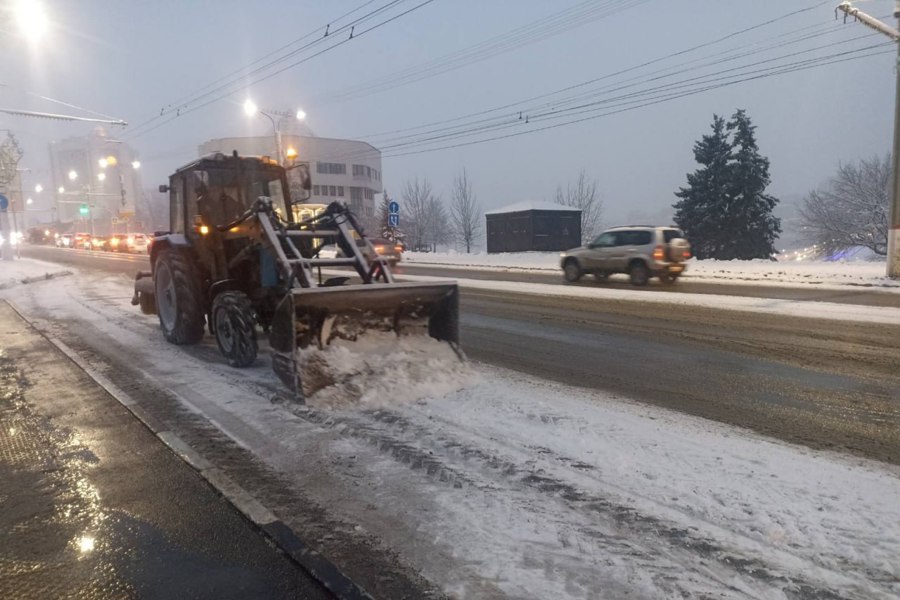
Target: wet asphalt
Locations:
point(93, 505)
point(822, 383)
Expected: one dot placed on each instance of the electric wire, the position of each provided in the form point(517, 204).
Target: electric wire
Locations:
point(226, 93)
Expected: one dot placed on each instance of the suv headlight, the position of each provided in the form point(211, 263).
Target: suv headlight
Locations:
point(563, 254)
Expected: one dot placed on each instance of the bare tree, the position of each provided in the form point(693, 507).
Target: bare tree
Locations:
point(583, 195)
point(438, 230)
point(417, 200)
point(851, 210)
point(465, 214)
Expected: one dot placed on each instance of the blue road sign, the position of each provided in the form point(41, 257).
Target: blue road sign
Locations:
point(394, 208)
point(4, 202)
point(394, 220)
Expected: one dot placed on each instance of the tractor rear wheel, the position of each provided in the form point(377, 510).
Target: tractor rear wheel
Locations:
point(147, 303)
point(235, 327)
point(178, 299)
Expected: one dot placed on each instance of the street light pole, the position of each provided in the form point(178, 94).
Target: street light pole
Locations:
point(893, 232)
point(250, 109)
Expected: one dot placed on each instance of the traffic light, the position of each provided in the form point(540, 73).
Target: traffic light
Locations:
point(83, 210)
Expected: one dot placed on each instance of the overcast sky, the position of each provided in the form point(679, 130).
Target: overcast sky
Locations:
point(131, 59)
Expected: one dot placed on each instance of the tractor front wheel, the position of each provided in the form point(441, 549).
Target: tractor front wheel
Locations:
point(178, 299)
point(235, 327)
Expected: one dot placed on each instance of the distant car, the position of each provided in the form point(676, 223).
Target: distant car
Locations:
point(81, 241)
point(64, 240)
point(383, 247)
point(99, 242)
point(640, 251)
point(393, 252)
point(118, 243)
point(138, 242)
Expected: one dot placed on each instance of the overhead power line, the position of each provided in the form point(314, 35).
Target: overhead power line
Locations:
point(226, 92)
point(538, 30)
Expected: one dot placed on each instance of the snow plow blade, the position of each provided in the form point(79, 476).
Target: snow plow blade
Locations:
point(314, 317)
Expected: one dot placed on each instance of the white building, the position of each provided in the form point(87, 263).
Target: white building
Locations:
point(344, 170)
point(98, 171)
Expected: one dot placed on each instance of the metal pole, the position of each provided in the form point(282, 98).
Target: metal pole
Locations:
point(893, 256)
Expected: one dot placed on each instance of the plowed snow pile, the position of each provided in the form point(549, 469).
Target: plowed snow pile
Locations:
point(380, 368)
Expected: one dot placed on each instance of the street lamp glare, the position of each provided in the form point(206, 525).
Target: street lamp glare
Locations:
point(135, 164)
point(101, 176)
point(61, 190)
point(29, 201)
point(38, 189)
point(250, 108)
point(31, 18)
point(103, 163)
point(301, 114)
point(73, 175)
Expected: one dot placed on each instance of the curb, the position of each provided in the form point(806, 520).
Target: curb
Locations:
point(319, 567)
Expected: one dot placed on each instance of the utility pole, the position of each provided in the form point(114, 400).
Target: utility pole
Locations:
point(893, 233)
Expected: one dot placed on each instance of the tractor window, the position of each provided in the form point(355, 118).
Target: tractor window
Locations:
point(176, 205)
point(218, 197)
point(271, 188)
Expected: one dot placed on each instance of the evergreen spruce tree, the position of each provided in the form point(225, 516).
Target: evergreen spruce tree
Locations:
point(725, 212)
point(700, 212)
point(756, 228)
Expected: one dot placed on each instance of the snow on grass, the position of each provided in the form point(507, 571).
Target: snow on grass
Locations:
point(838, 273)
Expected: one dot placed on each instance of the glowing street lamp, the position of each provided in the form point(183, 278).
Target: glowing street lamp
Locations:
point(101, 176)
point(29, 201)
point(103, 163)
point(251, 110)
point(61, 190)
point(31, 19)
point(38, 189)
point(73, 175)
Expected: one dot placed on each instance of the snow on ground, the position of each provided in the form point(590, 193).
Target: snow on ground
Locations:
point(838, 273)
point(516, 487)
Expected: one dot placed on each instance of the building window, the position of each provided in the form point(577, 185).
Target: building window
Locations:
point(315, 190)
point(332, 190)
point(340, 191)
point(356, 194)
point(370, 194)
point(359, 170)
point(331, 168)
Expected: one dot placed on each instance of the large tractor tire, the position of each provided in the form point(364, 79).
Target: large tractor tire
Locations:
point(147, 303)
point(178, 298)
point(235, 327)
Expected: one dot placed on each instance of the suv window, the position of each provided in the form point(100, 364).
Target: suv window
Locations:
point(605, 240)
point(671, 234)
point(634, 238)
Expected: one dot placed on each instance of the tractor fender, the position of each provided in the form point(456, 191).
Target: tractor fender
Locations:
point(225, 285)
point(168, 240)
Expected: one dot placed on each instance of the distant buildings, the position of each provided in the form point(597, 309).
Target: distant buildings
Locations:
point(345, 170)
point(96, 182)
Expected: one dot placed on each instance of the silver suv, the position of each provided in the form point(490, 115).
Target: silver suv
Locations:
point(641, 251)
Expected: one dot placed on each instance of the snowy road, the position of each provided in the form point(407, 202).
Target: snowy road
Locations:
point(510, 486)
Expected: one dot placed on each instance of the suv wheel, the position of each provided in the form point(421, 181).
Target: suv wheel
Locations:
point(639, 273)
point(572, 271)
